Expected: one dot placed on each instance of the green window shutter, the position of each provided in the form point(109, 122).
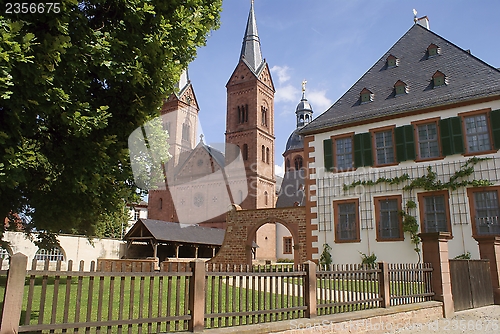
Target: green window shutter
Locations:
point(328, 154)
point(362, 150)
point(451, 136)
point(405, 144)
point(495, 127)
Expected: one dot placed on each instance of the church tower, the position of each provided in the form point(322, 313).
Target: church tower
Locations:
point(250, 118)
point(179, 115)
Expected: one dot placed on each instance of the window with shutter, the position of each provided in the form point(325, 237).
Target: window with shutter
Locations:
point(405, 146)
point(495, 127)
point(451, 136)
point(477, 132)
point(362, 150)
point(343, 152)
point(328, 154)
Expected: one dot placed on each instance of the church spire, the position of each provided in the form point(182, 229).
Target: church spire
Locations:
point(250, 51)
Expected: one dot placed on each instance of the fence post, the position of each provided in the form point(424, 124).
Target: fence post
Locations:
point(197, 296)
point(310, 289)
point(384, 282)
point(435, 251)
point(13, 297)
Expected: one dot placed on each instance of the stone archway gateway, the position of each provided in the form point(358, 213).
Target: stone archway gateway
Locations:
point(242, 225)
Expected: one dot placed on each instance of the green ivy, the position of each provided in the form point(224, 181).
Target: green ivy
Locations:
point(464, 256)
point(326, 258)
point(368, 260)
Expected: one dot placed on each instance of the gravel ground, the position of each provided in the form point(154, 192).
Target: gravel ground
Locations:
point(480, 320)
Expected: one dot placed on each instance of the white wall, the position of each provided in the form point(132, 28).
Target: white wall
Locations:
point(74, 248)
point(394, 251)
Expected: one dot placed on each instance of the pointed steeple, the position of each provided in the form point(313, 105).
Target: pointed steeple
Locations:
point(250, 51)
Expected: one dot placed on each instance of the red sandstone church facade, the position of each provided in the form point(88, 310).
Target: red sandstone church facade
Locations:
point(249, 126)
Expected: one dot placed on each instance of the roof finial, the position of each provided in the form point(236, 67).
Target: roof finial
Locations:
point(201, 138)
point(415, 15)
point(304, 82)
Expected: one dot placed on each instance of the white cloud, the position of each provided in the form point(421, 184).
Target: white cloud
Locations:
point(287, 93)
point(318, 100)
point(282, 72)
point(279, 170)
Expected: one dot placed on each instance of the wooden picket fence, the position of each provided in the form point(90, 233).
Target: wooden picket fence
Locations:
point(200, 296)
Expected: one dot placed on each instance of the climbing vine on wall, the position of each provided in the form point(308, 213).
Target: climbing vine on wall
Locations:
point(427, 182)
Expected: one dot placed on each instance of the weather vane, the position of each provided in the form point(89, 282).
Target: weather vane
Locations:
point(414, 15)
point(303, 83)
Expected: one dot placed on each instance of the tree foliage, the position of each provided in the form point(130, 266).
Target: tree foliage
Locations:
point(73, 86)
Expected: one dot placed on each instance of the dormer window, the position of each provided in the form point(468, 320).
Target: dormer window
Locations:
point(400, 88)
point(439, 79)
point(432, 50)
point(392, 61)
point(366, 95)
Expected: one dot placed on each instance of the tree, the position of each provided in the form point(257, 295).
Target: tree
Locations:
point(74, 85)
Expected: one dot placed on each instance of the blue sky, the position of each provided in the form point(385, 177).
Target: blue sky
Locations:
point(329, 43)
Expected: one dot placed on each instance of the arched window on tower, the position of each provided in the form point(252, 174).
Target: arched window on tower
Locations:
point(287, 164)
point(263, 153)
point(186, 130)
point(298, 162)
point(264, 116)
point(266, 198)
point(245, 152)
point(267, 155)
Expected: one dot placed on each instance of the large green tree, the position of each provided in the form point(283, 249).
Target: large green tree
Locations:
point(73, 86)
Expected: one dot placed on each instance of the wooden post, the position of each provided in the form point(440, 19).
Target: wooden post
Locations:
point(197, 296)
point(13, 297)
point(489, 249)
point(310, 289)
point(435, 251)
point(384, 281)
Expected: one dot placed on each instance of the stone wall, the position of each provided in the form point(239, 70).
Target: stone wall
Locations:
point(243, 224)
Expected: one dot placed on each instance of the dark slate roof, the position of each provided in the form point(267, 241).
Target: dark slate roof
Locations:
point(174, 232)
point(291, 190)
point(469, 78)
point(250, 50)
point(295, 141)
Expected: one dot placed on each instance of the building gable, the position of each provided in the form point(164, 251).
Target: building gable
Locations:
point(468, 79)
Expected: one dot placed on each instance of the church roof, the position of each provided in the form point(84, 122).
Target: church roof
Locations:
point(250, 50)
point(468, 79)
point(186, 158)
point(295, 141)
point(292, 189)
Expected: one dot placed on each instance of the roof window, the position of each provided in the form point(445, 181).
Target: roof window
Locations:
point(366, 96)
point(433, 50)
point(400, 88)
point(392, 61)
point(439, 79)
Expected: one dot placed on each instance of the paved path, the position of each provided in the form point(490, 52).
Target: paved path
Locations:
point(480, 320)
